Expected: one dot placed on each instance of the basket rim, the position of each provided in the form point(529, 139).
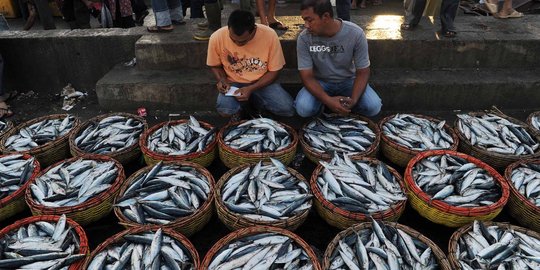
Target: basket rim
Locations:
point(9, 125)
point(507, 175)
point(96, 200)
point(21, 190)
point(415, 190)
point(529, 122)
point(391, 211)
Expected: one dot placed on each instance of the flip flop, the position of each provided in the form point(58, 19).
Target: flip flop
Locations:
point(160, 29)
point(278, 26)
point(491, 7)
point(514, 14)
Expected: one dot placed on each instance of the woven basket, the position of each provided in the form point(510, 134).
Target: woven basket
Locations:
point(232, 157)
point(442, 213)
point(399, 154)
point(496, 160)
point(529, 121)
point(83, 241)
point(186, 225)
point(315, 156)
point(118, 238)
point(125, 156)
point(341, 218)
point(203, 158)
point(524, 211)
point(14, 203)
point(9, 125)
point(50, 152)
point(235, 221)
point(443, 262)
point(453, 244)
point(89, 211)
point(256, 230)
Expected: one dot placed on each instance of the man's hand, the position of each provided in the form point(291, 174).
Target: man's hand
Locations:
point(339, 104)
point(243, 94)
point(223, 85)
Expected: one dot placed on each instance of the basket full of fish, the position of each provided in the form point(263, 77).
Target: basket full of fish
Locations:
point(350, 190)
point(453, 189)
point(405, 135)
point(261, 247)
point(265, 193)
point(383, 245)
point(496, 139)
point(115, 135)
point(82, 188)
point(144, 247)
point(523, 177)
point(45, 138)
point(16, 173)
point(4, 127)
point(189, 140)
point(353, 134)
point(492, 245)
point(534, 122)
point(250, 141)
point(43, 242)
point(172, 194)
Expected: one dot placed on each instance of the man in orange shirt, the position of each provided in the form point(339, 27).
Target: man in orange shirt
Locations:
point(247, 57)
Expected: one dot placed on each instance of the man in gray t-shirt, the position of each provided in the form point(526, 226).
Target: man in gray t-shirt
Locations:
point(333, 62)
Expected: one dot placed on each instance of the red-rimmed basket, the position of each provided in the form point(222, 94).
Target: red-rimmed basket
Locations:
point(235, 221)
point(256, 230)
point(529, 121)
point(50, 152)
point(341, 218)
point(443, 262)
point(524, 211)
point(125, 156)
point(315, 156)
point(232, 157)
point(89, 211)
point(187, 225)
point(496, 160)
point(203, 158)
point(399, 154)
point(118, 238)
point(14, 203)
point(83, 241)
point(453, 243)
point(442, 213)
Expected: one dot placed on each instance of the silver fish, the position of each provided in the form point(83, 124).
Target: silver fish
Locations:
point(417, 133)
point(39, 134)
point(526, 179)
point(535, 121)
point(14, 172)
point(3, 126)
point(258, 136)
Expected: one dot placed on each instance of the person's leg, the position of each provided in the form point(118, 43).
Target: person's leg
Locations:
point(175, 10)
point(369, 103)
point(417, 8)
point(343, 9)
point(45, 14)
point(306, 105)
point(227, 106)
point(213, 14)
point(275, 99)
point(82, 14)
point(196, 9)
point(507, 11)
point(448, 15)
point(161, 12)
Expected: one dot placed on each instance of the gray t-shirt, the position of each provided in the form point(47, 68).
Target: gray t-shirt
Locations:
point(334, 59)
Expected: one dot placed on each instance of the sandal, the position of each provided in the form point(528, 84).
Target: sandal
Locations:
point(160, 29)
point(449, 34)
point(514, 14)
point(278, 26)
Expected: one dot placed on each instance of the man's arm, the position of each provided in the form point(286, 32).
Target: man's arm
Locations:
point(223, 83)
point(359, 85)
point(266, 79)
point(315, 88)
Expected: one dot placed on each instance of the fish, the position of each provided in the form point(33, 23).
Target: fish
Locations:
point(338, 134)
point(417, 133)
point(535, 122)
point(456, 181)
point(73, 182)
point(3, 126)
point(163, 194)
point(181, 139)
point(259, 135)
point(41, 245)
point(15, 171)
point(110, 135)
point(144, 250)
point(526, 180)
point(266, 192)
point(40, 133)
point(496, 134)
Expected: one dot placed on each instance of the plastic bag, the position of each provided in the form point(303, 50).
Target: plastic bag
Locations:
point(106, 17)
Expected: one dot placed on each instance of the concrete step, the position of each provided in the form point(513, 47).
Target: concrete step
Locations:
point(400, 89)
point(482, 42)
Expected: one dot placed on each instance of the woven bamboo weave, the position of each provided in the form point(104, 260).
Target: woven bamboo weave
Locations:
point(524, 211)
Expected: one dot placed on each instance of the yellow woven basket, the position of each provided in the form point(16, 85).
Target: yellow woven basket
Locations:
point(524, 211)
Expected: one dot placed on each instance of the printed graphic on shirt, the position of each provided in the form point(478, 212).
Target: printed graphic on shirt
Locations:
point(241, 64)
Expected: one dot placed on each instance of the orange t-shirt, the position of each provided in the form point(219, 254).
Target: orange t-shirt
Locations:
point(248, 63)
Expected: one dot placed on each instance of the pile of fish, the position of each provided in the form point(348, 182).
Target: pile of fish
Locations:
point(341, 134)
point(526, 179)
point(382, 247)
point(181, 139)
point(494, 247)
point(497, 134)
point(163, 194)
point(73, 183)
point(111, 134)
point(417, 133)
point(144, 250)
point(359, 186)
point(40, 245)
point(39, 134)
point(456, 181)
point(535, 121)
point(14, 172)
point(262, 251)
point(258, 136)
point(266, 193)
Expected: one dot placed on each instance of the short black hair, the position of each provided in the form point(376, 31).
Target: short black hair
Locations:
point(241, 21)
point(319, 7)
